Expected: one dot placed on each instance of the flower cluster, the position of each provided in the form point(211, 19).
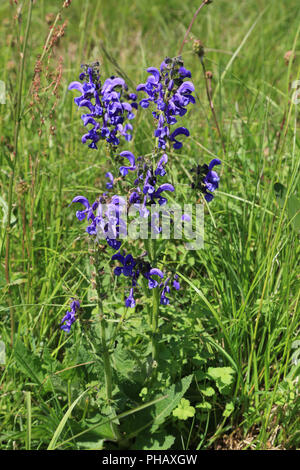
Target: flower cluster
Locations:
point(104, 217)
point(134, 267)
point(171, 94)
point(206, 179)
point(164, 300)
point(169, 90)
point(109, 105)
point(70, 316)
point(147, 191)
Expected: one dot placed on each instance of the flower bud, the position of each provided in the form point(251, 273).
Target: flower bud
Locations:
point(198, 48)
point(289, 55)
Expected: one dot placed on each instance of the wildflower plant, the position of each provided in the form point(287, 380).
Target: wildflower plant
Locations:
point(146, 184)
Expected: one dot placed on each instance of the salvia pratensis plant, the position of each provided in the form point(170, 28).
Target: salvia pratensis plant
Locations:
point(108, 110)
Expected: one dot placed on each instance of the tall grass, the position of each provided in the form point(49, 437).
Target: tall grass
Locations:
point(242, 290)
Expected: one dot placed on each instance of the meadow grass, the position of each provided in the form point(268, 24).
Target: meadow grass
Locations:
point(240, 303)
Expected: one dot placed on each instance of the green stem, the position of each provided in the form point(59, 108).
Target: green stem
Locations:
point(105, 350)
point(150, 246)
point(210, 102)
point(155, 316)
point(14, 161)
point(205, 2)
point(106, 358)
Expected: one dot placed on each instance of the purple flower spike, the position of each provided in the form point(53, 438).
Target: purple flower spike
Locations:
point(167, 89)
point(212, 179)
point(206, 179)
point(130, 302)
point(70, 317)
point(109, 107)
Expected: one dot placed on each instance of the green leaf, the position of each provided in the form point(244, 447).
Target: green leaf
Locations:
point(123, 362)
point(174, 394)
point(184, 410)
point(30, 364)
point(62, 423)
point(157, 441)
point(125, 414)
point(207, 391)
point(228, 409)
point(204, 406)
point(223, 376)
point(92, 445)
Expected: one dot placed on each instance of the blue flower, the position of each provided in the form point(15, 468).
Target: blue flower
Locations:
point(212, 179)
point(109, 184)
point(109, 106)
point(129, 301)
point(134, 268)
point(152, 283)
point(176, 284)
point(157, 194)
point(88, 212)
point(160, 169)
point(130, 157)
point(164, 300)
point(178, 131)
point(109, 224)
point(206, 180)
point(171, 94)
point(128, 263)
point(70, 317)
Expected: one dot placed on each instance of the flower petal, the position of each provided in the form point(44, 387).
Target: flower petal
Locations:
point(214, 162)
point(83, 200)
point(76, 86)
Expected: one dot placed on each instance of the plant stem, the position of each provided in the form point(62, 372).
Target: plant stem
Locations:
point(155, 316)
point(17, 123)
point(150, 244)
point(105, 350)
point(205, 2)
point(208, 78)
point(106, 358)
